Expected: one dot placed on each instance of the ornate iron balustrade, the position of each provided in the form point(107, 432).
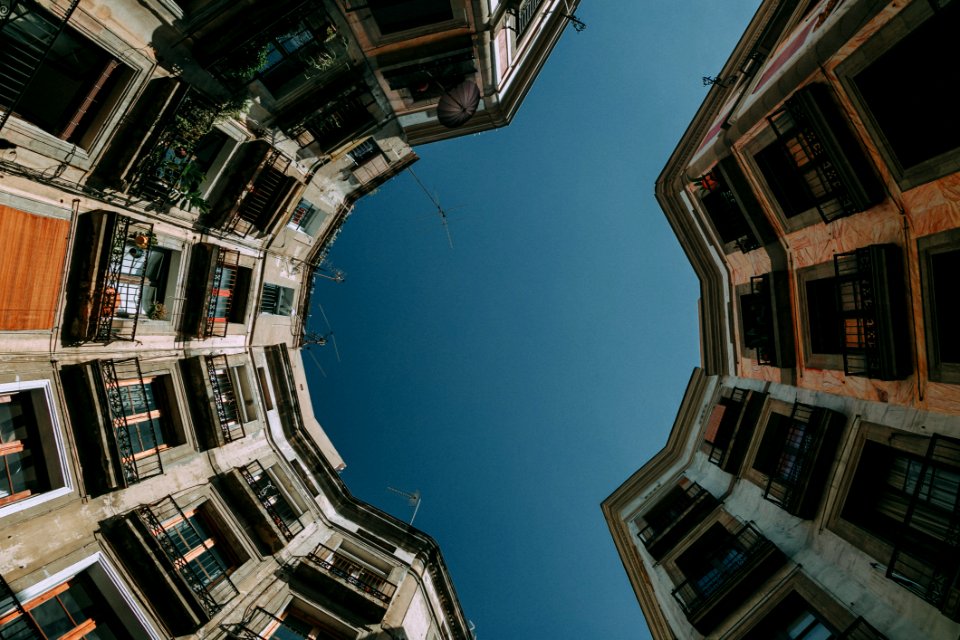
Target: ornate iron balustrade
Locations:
point(747, 548)
point(30, 48)
point(266, 189)
point(758, 320)
point(860, 629)
point(272, 500)
point(136, 465)
point(167, 175)
point(720, 449)
point(224, 398)
point(659, 536)
point(525, 14)
point(119, 290)
point(21, 626)
point(796, 458)
point(353, 573)
point(220, 299)
point(158, 518)
point(925, 557)
point(870, 299)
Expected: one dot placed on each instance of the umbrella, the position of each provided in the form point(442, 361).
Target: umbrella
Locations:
point(459, 104)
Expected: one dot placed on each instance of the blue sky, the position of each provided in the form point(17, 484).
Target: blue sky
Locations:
point(517, 379)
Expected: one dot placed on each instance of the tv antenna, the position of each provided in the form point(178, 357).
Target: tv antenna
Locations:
point(312, 338)
point(436, 202)
point(413, 499)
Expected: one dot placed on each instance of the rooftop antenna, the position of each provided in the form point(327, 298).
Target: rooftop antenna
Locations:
point(412, 498)
point(578, 25)
point(436, 202)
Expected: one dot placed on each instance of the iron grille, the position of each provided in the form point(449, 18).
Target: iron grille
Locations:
point(721, 446)
point(666, 523)
point(136, 465)
point(220, 299)
point(860, 629)
point(807, 155)
point(119, 290)
point(925, 556)
point(342, 120)
point(353, 573)
point(795, 460)
point(525, 14)
point(212, 595)
point(738, 555)
point(257, 207)
point(22, 626)
point(725, 211)
point(272, 500)
point(27, 51)
point(224, 398)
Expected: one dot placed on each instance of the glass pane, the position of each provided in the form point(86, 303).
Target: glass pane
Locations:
point(52, 618)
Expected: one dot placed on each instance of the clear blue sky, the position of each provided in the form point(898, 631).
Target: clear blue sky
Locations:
point(517, 379)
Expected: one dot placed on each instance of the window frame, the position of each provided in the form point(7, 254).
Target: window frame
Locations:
point(927, 248)
point(54, 442)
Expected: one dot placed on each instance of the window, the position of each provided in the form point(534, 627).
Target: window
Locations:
point(393, 16)
point(730, 427)
point(32, 456)
point(228, 293)
point(22, 472)
point(272, 499)
point(141, 281)
point(225, 398)
point(306, 217)
point(914, 126)
point(671, 518)
point(816, 163)
point(87, 81)
point(766, 319)
point(276, 300)
point(72, 609)
point(298, 621)
point(792, 619)
point(906, 498)
point(939, 265)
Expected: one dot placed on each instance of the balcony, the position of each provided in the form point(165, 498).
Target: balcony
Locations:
point(217, 289)
point(136, 433)
point(872, 302)
point(342, 582)
point(799, 452)
point(525, 14)
point(113, 258)
point(828, 168)
point(926, 552)
point(190, 552)
point(731, 426)
point(224, 398)
point(263, 199)
point(262, 625)
point(727, 569)
point(860, 629)
point(671, 519)
point(766, 319)
point(732, 208)
point(262, 506)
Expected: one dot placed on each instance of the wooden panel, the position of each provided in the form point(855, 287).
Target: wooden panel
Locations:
point(32, 256)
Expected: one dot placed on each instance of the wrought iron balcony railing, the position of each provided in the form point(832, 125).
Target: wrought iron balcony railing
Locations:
point(262, 625)
point(270, 498)
point(221, 294)
point(730, 205)
point(224, 398)
point(265, 195)
point(926, 555)
point(796, 458)
point(353, 573)
point(871, 300)
point(136, 441)
point(738, 556)
point(20, 625)
point(525, 13)
point(667, 524)
point(720, 444)
point(758, 320)
point(860, 629)
point(118, 293)
point(175, 535)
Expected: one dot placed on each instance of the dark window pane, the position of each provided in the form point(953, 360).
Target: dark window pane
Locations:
point(823, 317)
point(399, 15)
point(946, 304)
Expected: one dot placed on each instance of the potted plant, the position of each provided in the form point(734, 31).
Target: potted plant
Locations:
point(158, 311)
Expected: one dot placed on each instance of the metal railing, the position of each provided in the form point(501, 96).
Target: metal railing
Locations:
point(260, 623)
point(734, 407)
point(272, 501)
point(925, 556)
point(353, 573)
point(136, 465)
point(266, 189)
point(736, 556)
point(220, 298)
point(796, 458)
point(26, 51)
point(21, 626)
point(857, 301)
point(525, 13)
point(860, 629)
point(119, 289)
point(162, 516)
point(224, 398)
point(695, 498)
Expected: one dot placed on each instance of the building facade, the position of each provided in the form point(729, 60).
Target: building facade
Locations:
point(172, 175)
point(810, 485)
